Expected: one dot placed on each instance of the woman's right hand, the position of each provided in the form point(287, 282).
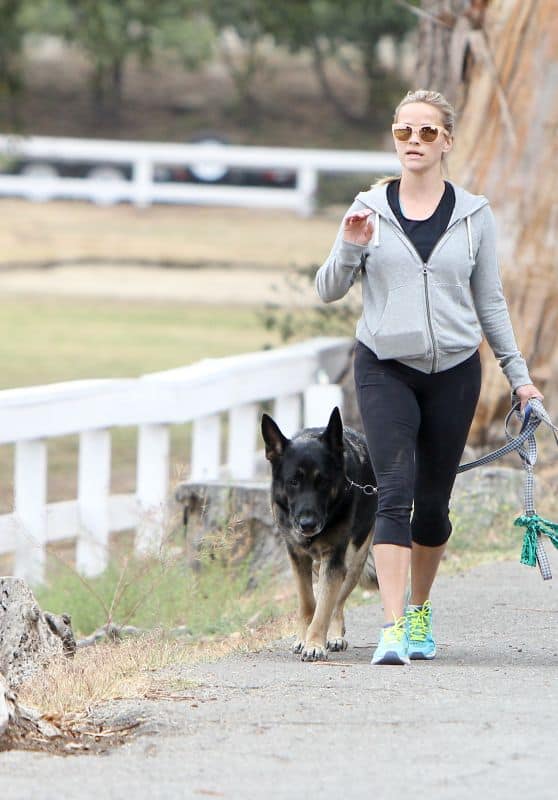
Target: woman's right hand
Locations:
point(358, 227)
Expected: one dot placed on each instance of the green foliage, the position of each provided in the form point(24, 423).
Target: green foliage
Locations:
point(12, 31)
point(218, 596)
point(294, 322)
point(326, 28)
point(299, 23)
point(111, 33)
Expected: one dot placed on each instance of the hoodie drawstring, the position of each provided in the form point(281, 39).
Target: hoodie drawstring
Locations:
point(377, 230)
point(470, 237)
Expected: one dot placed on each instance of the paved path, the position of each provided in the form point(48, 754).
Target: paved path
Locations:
point(478, 722)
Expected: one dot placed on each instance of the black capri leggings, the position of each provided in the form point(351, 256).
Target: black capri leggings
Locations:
point(416, 426)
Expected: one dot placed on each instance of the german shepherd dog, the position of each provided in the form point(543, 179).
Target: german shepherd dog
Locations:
point(327, 523)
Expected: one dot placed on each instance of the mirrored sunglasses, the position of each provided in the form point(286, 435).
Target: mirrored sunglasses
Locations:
point(427, 133)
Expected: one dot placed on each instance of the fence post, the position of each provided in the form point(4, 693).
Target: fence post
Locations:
point(206, 448)
point(152, 487)
point(30, 484)
point(243, 421)
point(286, 413)
point(93, 494)
point(307, 185)
point(319, 401)
point(143, 180)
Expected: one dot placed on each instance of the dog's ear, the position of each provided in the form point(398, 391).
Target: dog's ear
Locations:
point(275, 441)
point(333, 434)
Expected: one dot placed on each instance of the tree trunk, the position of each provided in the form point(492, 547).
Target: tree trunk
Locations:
point(503, 77)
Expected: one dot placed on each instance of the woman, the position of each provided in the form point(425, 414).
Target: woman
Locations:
point(430, 283)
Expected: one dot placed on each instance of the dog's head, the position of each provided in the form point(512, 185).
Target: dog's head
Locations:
point(308, 473)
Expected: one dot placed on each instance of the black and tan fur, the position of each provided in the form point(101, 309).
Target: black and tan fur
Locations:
point(326, 522)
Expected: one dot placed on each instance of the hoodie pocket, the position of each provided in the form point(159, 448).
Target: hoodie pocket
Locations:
point(454, 317)
point(400, 332)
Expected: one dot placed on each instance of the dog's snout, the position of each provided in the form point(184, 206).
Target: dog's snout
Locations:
point(308, 522)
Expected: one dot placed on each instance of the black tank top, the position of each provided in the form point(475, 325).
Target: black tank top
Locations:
point(423, 233)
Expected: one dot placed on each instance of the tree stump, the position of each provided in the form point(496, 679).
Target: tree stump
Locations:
point(22, 727)
point(29, 637)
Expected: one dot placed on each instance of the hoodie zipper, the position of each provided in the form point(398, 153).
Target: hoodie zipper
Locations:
point(425, 264)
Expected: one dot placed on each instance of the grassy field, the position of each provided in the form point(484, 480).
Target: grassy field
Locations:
point(60, 339)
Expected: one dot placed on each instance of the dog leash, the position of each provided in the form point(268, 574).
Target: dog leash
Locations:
point(533, 551)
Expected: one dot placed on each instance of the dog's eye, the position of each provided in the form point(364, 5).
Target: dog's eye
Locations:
point(293, 481)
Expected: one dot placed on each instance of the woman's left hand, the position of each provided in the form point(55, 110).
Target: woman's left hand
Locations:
point(526, 392)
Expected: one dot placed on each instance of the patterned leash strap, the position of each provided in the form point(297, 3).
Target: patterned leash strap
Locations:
point(525, 443)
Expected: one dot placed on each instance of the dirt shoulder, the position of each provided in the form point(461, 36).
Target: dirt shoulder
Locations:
point(477, 720)
point(207, 285)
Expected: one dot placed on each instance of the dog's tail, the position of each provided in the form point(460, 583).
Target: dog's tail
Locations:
point(368, 578)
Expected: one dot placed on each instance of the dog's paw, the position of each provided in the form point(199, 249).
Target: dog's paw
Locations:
point(298, 646)
point(337, 644)
point(313, 652)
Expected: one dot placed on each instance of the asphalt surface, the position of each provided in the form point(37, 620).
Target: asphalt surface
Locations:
point(478, 721)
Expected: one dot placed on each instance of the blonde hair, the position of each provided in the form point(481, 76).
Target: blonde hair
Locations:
point(436, 99)
point(440, 103)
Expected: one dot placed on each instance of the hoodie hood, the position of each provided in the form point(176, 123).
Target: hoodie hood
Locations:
point(465, 202)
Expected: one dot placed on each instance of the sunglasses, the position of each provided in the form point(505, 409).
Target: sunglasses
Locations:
point(427, 133)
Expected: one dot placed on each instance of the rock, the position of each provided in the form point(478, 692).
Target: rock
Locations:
point(29, 638)
point(243, 512)
point(480, 496)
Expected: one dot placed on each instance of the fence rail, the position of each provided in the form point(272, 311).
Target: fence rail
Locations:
point(295, 378)
point(144, 157)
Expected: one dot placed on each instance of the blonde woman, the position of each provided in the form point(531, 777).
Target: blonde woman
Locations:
point(426, 250)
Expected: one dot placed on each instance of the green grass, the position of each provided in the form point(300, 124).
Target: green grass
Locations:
point(217, 598)
point(52, 339)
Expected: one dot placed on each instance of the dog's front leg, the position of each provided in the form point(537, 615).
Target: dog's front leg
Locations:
point(302, 570)
point(355, 559)
point(330, 580)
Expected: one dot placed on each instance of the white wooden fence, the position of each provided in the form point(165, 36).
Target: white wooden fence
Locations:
point(144, 157)
point(294, 377)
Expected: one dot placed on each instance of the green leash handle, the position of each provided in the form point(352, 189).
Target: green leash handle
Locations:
point(533, 551)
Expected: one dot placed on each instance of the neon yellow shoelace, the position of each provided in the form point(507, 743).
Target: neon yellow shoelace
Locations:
point(419, 622)
point(395, 632)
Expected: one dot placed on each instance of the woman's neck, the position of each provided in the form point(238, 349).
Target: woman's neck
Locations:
point(422, 185)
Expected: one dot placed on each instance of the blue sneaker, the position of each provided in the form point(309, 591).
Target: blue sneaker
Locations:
point(393, 645)
point(419, 631)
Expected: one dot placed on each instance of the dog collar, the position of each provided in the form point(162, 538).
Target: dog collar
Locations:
point(367, 488)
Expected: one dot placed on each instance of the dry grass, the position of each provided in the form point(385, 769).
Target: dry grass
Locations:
point(262, 239)
point(135, 668)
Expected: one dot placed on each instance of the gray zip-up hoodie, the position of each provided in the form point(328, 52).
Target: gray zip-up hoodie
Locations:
point(428, 315)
